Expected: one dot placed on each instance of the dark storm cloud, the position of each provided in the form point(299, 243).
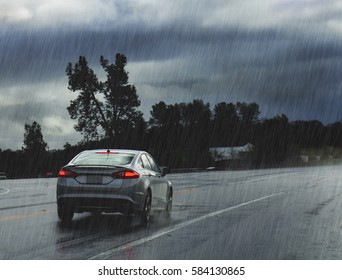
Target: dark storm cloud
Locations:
point(300, 79)
point(275, 67)
point(306, 77)
point(40, 55)
point(313, 51)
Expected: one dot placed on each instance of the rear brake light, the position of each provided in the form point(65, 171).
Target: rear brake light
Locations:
point(66, 173)
point(127, 174)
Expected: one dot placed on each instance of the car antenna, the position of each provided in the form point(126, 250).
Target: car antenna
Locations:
point(108, 152)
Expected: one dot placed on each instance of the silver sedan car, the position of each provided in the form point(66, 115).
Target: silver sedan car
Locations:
point(113, 181)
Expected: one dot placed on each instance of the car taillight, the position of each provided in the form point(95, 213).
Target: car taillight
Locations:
point(127, 174)
point(66, 173)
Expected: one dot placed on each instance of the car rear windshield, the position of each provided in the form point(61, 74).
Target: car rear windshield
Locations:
point(103, 158)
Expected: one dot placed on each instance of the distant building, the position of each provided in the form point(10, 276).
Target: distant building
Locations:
point(309, 158)
point(231, 156)
point(304, 158)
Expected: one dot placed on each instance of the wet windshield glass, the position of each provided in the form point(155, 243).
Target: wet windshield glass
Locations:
point(103, 159)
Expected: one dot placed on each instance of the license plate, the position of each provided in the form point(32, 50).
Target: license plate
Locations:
point(94, 179)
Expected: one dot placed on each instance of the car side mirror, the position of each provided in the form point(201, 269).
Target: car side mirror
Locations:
point(165, 170)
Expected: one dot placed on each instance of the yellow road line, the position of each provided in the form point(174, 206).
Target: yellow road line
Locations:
point(21, 216)
point(177, 192)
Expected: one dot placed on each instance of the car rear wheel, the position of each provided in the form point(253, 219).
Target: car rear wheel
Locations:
point(146, 212)
point(168, 207)
point(65, 215)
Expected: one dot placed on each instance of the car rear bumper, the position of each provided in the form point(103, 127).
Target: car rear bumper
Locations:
point(108, 204)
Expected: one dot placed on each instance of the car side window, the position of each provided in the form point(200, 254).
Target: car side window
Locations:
point(145, 162)
point(155, 166)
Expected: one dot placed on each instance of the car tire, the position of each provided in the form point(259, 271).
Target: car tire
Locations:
point(129, 220)
point(168, 207)
point(65, 215)
point(145, 214)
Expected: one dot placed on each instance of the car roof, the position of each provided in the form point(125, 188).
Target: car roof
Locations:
point(125, 151)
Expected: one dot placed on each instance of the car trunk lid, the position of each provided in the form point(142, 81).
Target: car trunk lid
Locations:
point(96, 175)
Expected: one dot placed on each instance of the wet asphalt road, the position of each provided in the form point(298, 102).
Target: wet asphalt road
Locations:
point(256, 214)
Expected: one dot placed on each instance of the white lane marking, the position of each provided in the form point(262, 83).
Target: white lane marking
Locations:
point(265, 178)
point(37, 188)
point(108, 253)
point(6, 191)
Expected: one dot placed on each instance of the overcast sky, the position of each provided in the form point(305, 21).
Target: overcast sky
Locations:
point(285, 55)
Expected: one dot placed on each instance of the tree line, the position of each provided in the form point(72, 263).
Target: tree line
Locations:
point(178, 135)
